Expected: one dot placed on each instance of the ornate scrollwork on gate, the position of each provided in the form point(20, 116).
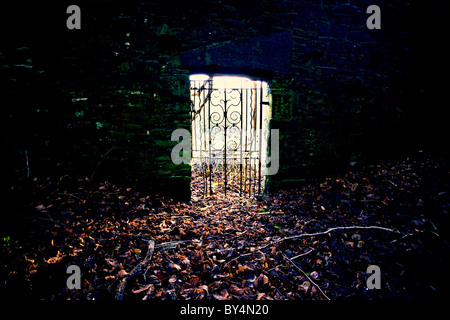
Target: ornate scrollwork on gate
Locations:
point(229, 119)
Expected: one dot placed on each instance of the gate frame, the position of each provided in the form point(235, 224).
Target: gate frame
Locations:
point(261, 99)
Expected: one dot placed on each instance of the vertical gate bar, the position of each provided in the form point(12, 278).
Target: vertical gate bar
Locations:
point(246, 138)
point(225, 137)
point(255, 157)
point(250, 145)
point(205, 176)
point(199, 139)
point(202, 167)
point(193, 127)
point(240, 162)
point(252, 157)
point(260, 135)
point(252, 167)
point(256, 139)
point(201, 146)
point(209, 142)
point(192, 113)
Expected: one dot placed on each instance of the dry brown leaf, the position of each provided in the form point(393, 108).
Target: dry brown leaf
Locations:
point(55, 259)
point(122, 273)
point(261, 281)
point(305, 286)
point(224, 293)
point(173, 279)
point(260, 296)
point(142, 288)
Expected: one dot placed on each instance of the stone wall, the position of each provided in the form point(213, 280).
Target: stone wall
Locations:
point(102, 101)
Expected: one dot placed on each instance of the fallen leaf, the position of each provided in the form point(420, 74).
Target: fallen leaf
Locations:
point(314, 275)
point(55, 259)
point(219, 297)
point(261, 281)
point(142, 288)
point(112, 263)
point(260, 296)
point(224, 293)
point(40, 207)
point(173, 279)
point(153, 279)
point(305, 286)
point(122, 273)
point(234, 289)
point(204, 288)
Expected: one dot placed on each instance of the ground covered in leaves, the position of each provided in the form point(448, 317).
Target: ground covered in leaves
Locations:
point(312, 243)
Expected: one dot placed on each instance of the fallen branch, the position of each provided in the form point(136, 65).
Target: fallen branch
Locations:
point(49, 220)
point(309, 279)
point(69, 194)
point(311, 235)
point(406, 235)
point(238, 257)
point(170, 245)
point(302, 254)
point(136, 270)
point(325, 232)
point(295, 257)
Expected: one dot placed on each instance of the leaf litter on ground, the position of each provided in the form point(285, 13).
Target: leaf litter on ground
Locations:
point(310, 243)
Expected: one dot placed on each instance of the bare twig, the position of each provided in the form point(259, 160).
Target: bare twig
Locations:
point(238, 257)
point(100, 162)
point(311, 235)
point(68, 194)
point(28, 164)
point(406, 235)
point(338, 228)
point(148, 257)
point(210, 90)
point(303, 254)
point(49, 220)
point(171, 244)
point(309, 279)
point(136, 270)
point(325, 232)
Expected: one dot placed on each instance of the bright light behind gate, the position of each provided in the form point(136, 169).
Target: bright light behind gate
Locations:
point(230, 117)
point(221, 82)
